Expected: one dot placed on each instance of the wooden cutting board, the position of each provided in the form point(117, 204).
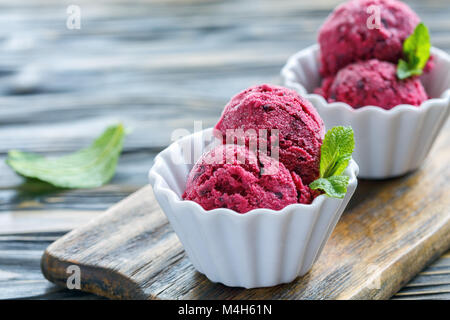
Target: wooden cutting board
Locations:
point(389, 232)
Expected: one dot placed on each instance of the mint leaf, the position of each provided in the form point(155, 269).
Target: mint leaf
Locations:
point(335, 186)
point(87, 168)
point(404, 71)
point(336, 151)
point(416, 52)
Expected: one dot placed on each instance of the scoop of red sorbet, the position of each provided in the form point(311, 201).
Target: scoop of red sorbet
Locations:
point(231, 176)
point(269, 107)
point(345, 37)
point(373, 83)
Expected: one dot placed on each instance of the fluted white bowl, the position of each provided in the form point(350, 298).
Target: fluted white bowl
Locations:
point(260, 248)
point(389, 143)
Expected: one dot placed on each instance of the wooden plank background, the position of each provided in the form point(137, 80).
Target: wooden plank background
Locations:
point(155, 65)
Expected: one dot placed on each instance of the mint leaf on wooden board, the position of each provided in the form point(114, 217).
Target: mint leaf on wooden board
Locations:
point(336, 153)
point(335, 186)
point(416, 51)
point(87, 168)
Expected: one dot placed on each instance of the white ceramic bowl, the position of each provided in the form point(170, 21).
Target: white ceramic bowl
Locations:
point(260, 248)
point(389, 143)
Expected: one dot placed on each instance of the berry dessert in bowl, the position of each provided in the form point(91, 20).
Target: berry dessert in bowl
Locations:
point(254, 200)
point(375, 70)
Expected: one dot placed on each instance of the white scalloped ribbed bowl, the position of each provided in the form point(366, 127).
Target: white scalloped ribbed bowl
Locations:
point(389, 143)
point(260, 248)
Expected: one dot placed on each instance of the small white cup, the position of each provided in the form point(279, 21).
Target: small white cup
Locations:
point(260, 248)
point(389, 143)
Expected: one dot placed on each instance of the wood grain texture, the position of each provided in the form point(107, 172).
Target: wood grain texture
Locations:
point(391, 230)
point(155, 65)
point(432, 283)
point(20, 274)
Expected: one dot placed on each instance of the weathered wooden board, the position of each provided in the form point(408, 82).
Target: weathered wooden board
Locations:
point(391, 230)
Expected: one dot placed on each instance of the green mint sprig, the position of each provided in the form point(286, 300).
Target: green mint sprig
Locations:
point(336, 152)
point(87, 168)
point(416, 51)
